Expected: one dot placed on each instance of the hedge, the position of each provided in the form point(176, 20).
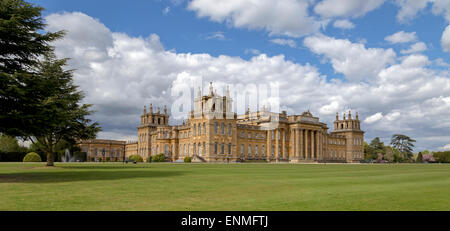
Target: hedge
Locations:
point(32, 157)
point(136, 158)
point(159, 158)
point(187, 159)
point(12, 156)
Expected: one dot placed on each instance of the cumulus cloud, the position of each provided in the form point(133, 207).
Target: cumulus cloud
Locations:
point(346, 8)
point(410, 8)
point(445, 41)
point(344, 24)
point(442, 7)
point(288, 17)
point(353, 60)
point(374, 118)
point(285, 42)
point(401, 37)
point(415, 48)
point(120, 74)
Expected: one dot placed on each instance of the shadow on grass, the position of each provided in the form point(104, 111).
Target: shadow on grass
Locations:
point(73, 176)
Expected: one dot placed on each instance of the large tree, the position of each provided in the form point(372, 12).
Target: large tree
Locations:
point(404, 144)
point(22, 42)
point(60, 115)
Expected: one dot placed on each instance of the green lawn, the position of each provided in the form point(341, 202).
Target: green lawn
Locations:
point(231, 187)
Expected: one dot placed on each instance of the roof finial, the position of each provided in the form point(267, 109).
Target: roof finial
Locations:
point(151, 108)
point(349, 114)
point(337, 116)
point(211, 89)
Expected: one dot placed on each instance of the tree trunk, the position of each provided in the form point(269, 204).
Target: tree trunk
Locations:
point(50, 159)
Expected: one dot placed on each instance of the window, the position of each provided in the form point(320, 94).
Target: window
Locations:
point(249, 135)
point(204, 128)
point(199, 151)
point(273, 150)
point(256, 150)
point(216, 128)
point(195, 149)
point(241, 134)
point(199, 129)
point(195, 129)
point(223, 129)
point(256, 135)
point(273, 134)
point(229, 149)
point(230, 132)
point(263, 136)
point(215, 148)
point(262, 151)
point(242, 149)
point(222, 148)
point(249, 150)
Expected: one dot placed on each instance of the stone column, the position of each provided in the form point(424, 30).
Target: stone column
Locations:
point(301, 144)
point(292, 144)
point(277, 143)
point(306, 144)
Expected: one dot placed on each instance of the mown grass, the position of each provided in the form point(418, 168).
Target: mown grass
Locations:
point(231, 187)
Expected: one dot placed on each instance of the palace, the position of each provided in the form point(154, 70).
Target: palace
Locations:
point(214, 133)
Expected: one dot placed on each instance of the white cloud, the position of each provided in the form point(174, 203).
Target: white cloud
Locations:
point(344, 24)
point(442, 7)
point(120, 74)
point(354, 60)
point(219, 35)
point(401, 37)
point(252, 51)
point(415, 48)
point(287, 17)
point(346, 8)
point(285, 42)
point(166, 10)
point(374, 118)
point(410, 8)
point(445, 147)
point(445, 40)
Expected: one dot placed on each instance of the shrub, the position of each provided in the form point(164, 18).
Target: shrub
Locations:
point(187, 159)
point(80, 156)
point(32, 157)
point(159, 158)
point(136, 158)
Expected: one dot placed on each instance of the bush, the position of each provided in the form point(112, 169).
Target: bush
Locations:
point(136, 158)
point(442, 157)
point(80, 156)
point(159, 158)
point(187, 159)
point(32, 157)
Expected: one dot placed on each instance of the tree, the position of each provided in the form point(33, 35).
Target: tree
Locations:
point(9, 144)
point(419, 158)
point(404, 144)
point(22, 43)
point(59, 115)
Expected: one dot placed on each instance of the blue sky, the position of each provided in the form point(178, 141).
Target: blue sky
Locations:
point(243, 30)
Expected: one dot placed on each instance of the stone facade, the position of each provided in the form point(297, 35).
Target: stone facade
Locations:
point(214, 133)
point(103, 150)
